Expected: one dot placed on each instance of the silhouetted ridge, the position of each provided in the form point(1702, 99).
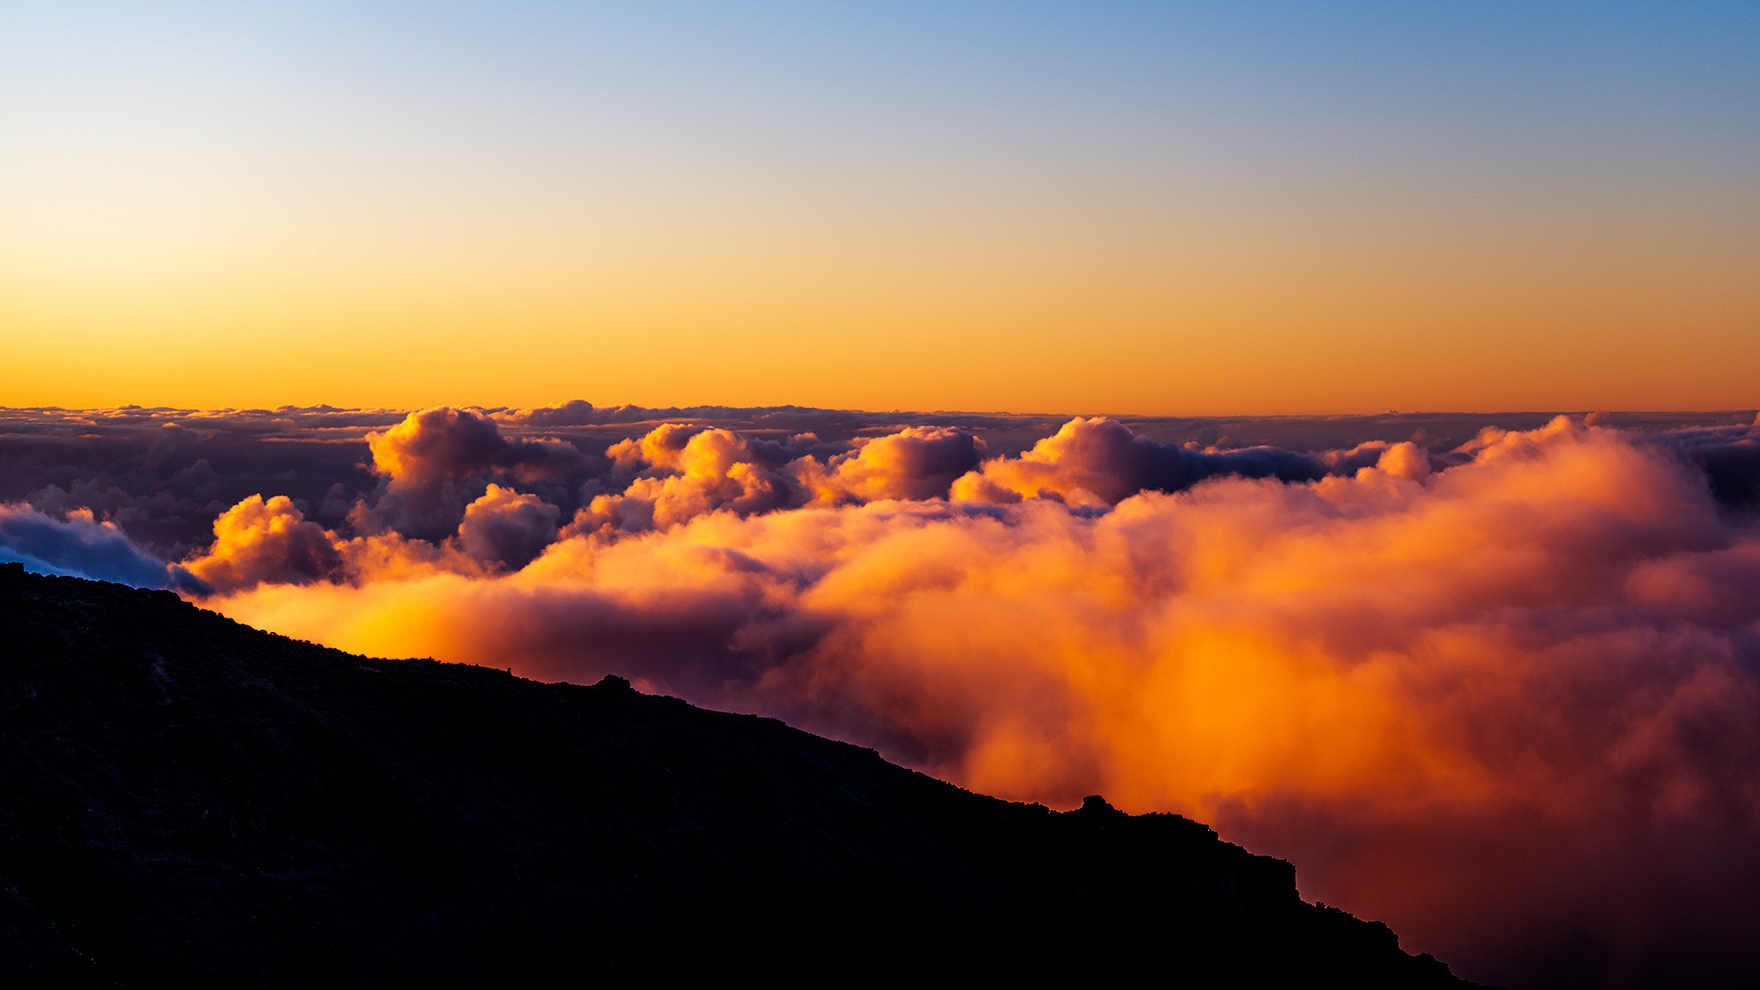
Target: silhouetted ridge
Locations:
point(187, 801)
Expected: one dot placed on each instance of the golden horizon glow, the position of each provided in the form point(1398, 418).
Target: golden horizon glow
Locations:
point(1132, 326)
point(209, 213)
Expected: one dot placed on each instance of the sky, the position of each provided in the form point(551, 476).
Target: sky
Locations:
point(1155, 209)
point(532, 335)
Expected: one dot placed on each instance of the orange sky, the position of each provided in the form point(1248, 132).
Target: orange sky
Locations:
point(1175, 319)
point(1139, 213)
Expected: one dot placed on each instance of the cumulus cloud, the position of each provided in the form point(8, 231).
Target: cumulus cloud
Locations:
point(697, 472)
point(270, 541)
point(430, 457)
point(166, 487)
point(917, 462)
point(508, 528)
point(81, 546)
point(446, 444)
point(575, 412)
point(662, 447)
point(687, 471)
point(1100, 461)
point(1405, 460)
point(1509, 706)
point(259, 541)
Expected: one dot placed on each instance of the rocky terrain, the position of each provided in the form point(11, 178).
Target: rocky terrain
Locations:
point(188, 801)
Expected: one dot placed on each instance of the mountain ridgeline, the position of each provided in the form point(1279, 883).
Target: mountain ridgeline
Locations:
point(187, 801)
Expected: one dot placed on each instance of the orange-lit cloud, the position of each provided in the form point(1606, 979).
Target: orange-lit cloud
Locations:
point(1508, 706)
point(688, 471)
point(1099, 461)
point(1503, 697)
point(259, 541)
point(270, 541)
point(915, 463)
point(693, 472)
point(432, 454)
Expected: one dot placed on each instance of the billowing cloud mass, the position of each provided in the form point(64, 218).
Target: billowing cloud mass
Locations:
point(1099, 461)
point(82, 546)
point(259, 541)
point(1503, 695)
point(431, 457)
point(505, 527)
point(692, 473)
point(915, 463)
point(689, 472)
point(444, 444)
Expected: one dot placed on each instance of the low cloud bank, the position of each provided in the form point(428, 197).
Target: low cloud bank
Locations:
point(165, 475)
point(81, 546)
point(1094, 461)
point(686, 473)
point(1504, 696)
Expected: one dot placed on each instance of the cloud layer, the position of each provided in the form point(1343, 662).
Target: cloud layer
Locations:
point(1504, 696)
point(82, 546)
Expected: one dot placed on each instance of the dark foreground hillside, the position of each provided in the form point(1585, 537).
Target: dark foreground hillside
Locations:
point(187, 801)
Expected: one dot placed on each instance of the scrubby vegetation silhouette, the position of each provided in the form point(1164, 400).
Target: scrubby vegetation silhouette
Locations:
point(188, 801)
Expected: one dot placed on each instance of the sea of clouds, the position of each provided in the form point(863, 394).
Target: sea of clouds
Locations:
point(1500, 688)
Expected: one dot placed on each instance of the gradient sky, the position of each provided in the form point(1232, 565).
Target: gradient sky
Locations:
point(1159, 209)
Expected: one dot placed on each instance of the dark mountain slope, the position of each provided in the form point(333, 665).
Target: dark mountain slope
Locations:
point(187, 801)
